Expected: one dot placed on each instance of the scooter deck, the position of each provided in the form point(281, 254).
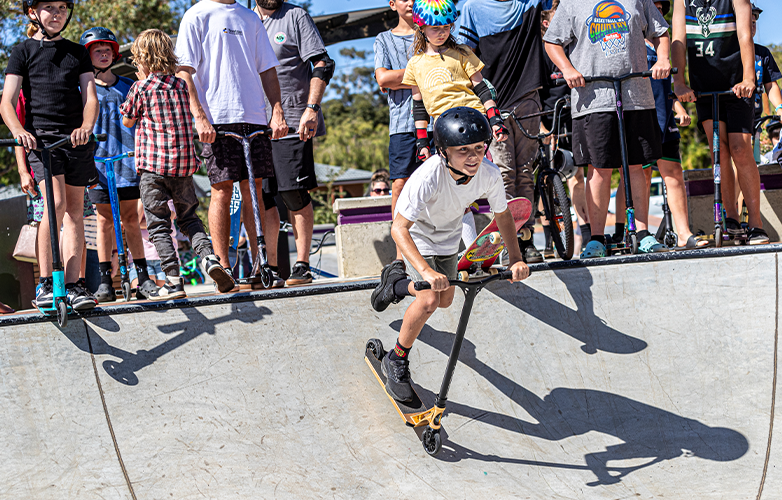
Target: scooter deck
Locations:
point(406, 410)
point(49, 312)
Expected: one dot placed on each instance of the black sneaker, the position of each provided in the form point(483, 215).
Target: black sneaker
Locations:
point(79, 297)
point(105, 293)
point(44, 295)
point(383, 295)
point(277, 282)
point(146, 290)
point(174, 288)
point(222, 278)
point(300, 274)
point(529, 254)
point(397, 373)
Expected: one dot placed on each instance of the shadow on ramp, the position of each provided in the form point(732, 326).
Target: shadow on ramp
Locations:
point(582, 324)
point(647, 432)
point(196, 324)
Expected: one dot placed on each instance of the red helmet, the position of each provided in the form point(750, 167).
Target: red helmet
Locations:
point(104, 35)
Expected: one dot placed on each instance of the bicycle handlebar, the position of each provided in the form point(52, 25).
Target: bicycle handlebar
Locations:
point(561, 104)
point(62, 142)
point(502, 275)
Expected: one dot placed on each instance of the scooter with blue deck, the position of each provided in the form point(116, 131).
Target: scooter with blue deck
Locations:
point(60, 307)
point(111, 182)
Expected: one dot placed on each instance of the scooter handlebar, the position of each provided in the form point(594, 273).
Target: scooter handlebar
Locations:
point(592, 79)
point(62, 142)
point(502, 275)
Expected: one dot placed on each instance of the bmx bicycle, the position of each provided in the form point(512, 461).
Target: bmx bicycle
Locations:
point(550, 180)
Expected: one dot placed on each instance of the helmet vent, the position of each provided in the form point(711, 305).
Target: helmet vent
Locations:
point(461, 130)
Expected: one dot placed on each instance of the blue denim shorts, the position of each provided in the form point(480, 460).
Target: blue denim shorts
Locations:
point(402, 155)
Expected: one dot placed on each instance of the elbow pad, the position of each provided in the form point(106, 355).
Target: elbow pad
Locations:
point(419, 111)
point(323, 72)
point(485, 91)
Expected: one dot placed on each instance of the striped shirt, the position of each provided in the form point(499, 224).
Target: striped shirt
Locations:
point(164, 131)
point(392, 52)
point(713, 52)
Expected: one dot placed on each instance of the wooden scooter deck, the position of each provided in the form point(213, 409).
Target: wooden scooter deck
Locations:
point(407, 410)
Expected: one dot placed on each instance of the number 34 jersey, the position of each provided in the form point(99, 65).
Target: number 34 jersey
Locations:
point(713, 52)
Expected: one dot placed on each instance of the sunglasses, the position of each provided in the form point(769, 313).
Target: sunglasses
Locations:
point(381, 191)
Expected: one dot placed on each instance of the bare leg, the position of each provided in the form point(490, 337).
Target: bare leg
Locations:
point(128, 210)
point(728, 180)
point(303, 222)
point(425, 304)
point(396, 190)
point(269, 235)
point(748, 177)
point(640, 190)
point(105, 239)
point(598, 196)
point(577, 188)
point(673, 177)
point(73, 232)
point(271, 221)
point(44, 231)
point(220, 219)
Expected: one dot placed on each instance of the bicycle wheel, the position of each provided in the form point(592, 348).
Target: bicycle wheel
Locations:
point(557, 209)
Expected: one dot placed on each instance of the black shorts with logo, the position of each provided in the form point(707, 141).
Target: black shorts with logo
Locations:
point(76, 164)
point(294, 166)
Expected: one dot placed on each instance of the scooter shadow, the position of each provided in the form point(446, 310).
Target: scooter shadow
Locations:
point(646, 432)
point(125, 371)
point(581, 323)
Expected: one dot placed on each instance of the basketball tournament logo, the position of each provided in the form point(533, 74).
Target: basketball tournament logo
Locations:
point(609, 25)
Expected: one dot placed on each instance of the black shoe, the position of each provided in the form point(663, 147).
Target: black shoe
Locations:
point(733, 227)
point(105, 293)
point(222, 277)
point(146, 290)
point(79, 297)
point(44, 295)
point(300, 275)
point(174, 288)
point(529, 254)
point(277, 282)
point(383, 295)
point(397, 373)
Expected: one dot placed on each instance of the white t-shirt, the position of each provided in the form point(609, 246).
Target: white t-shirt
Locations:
point(436, 204)
point(228, 47)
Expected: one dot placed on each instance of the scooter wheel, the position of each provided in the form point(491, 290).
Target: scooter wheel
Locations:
point(495, 237)
point(376, 347)
point(432, 441)
point(718, 237)
point(126, 291)
point(634, 244)
point(266, 277)
point(62, 313)
point(670, 240)
point(464, 276)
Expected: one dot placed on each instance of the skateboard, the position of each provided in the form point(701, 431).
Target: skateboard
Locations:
point(414, 413)
point(483, 252)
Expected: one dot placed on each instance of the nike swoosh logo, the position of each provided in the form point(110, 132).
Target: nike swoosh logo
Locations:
point(299, 179)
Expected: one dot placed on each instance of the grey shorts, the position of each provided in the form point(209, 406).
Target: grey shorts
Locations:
point(443, 264)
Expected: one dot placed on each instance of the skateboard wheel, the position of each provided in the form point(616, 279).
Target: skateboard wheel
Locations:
point(376, 347)
point(493, 271)
point(525, 234)
point(432, 441)
point(495, 237)
point(464, 276)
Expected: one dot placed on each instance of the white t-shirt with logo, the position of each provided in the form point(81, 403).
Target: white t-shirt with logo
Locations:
point(436, 204)
point(228, 47)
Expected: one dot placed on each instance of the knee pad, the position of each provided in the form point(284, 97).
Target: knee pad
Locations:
point(296, 200)
point(268, 201)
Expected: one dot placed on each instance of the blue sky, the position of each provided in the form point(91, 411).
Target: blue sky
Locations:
point(768, 30)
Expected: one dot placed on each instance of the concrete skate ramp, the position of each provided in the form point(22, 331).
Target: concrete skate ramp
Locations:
point(641, 380)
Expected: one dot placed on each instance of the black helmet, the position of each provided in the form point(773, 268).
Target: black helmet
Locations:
point(28, 4)
point(99, 34)
point(772, 125)
point(460, 126)
point(666, 5)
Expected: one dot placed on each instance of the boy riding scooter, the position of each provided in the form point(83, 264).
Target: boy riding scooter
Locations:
point(427, 229)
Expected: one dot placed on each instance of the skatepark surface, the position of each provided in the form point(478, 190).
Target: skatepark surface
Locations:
point(637, 378)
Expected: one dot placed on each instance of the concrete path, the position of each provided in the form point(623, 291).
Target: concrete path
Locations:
point(632, 381)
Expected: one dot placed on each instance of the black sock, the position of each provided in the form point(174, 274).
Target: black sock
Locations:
point(400, 288)
point(643, 234)
point(586, 232)
point(399, 352)
point(141, 270)
point(105, 273)
point(274, 268)
point(547, 235)
point(599, 238)
point(43, 280)
point(619, 228)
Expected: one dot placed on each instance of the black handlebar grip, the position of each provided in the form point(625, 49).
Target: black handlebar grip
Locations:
point(422, 285)
point(100, 137)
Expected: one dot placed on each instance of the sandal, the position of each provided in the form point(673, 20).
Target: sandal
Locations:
point(694, 242)
point(732, 226)
point(650, 245)
point(757, 236)
point(594, 249)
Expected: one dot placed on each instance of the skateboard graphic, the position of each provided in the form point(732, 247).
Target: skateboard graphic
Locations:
point(483, 252)
point(414, 412)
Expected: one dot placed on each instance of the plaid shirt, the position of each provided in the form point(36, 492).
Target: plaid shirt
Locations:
point(164, 132)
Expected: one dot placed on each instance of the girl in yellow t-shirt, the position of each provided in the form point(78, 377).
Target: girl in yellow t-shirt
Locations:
point(444, 74)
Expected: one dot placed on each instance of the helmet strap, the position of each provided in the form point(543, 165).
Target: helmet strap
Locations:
point(46, 34)
point(463, 178)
